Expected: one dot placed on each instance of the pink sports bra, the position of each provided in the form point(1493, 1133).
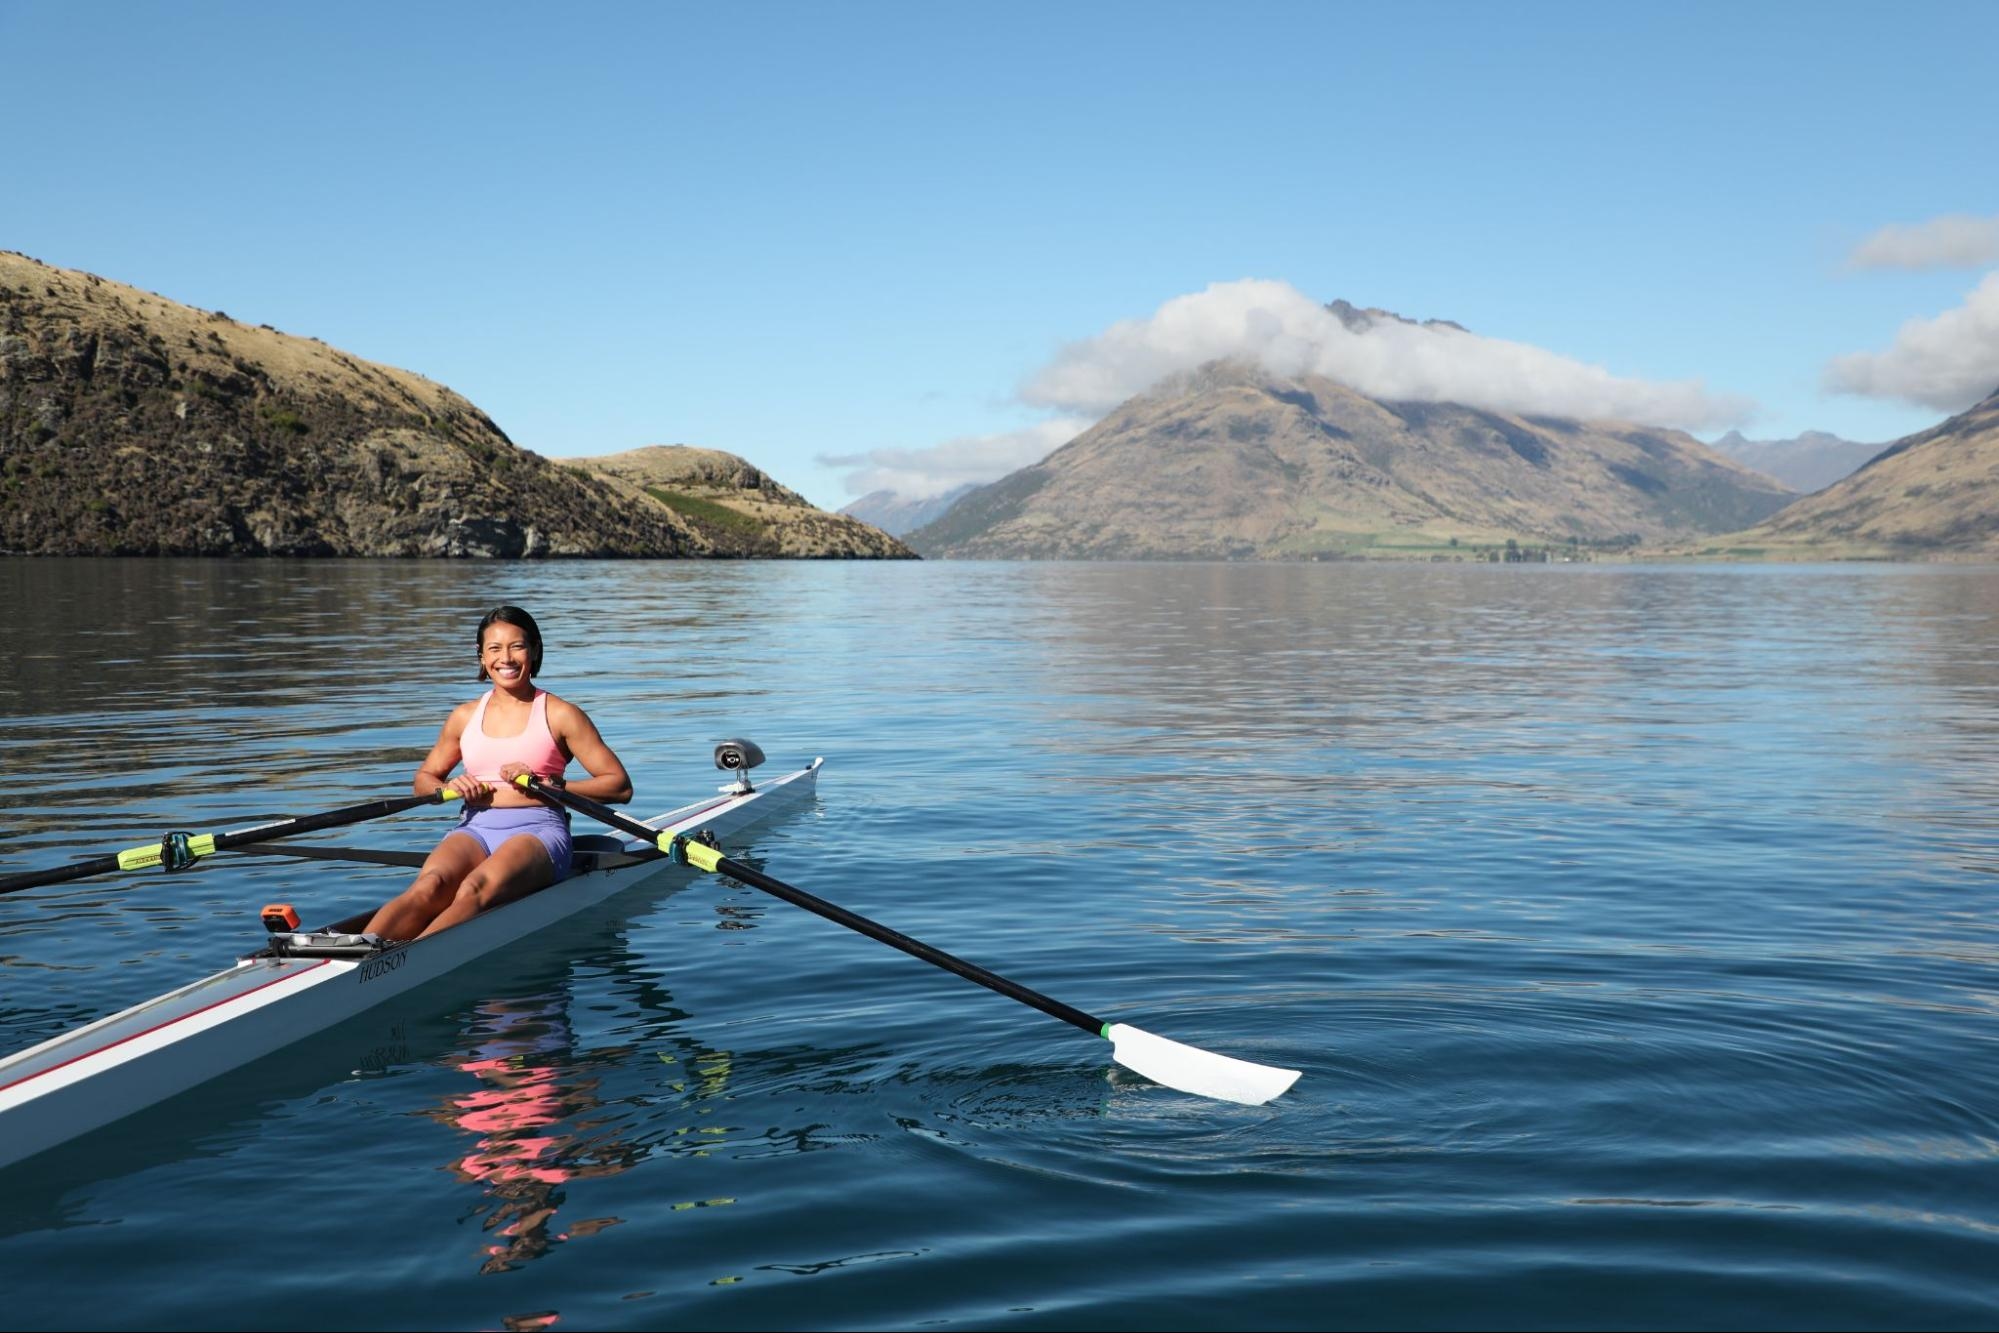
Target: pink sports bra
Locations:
point(535, 746)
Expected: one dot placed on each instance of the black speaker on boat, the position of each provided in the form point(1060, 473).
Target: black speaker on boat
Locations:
point(738, 756)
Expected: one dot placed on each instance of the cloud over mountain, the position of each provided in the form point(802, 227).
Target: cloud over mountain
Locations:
point(1956, 240)
point(1947, 362)
point(1274, 325)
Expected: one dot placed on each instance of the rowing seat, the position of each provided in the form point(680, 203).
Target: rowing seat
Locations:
point(324, 944)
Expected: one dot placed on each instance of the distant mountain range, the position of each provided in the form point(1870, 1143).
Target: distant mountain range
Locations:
point(135, 425)
point(1934, 493)
point(1806, 463)
point(1235, 462)
point(897, 516)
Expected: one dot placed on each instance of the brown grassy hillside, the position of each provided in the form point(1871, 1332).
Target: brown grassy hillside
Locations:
point(731, 504)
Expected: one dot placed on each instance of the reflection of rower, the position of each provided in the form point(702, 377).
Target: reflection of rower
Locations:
point(529, 1083)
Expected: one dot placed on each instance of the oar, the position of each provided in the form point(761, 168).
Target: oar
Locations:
point(1188, 1068)
point(183, 848)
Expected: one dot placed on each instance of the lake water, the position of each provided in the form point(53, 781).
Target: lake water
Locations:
point(1636, 930)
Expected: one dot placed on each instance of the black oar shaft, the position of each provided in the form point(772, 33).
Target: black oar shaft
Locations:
point(283, 828)
point(874, 930)
point(916, 948)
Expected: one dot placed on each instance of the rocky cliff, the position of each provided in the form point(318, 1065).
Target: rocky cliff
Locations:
point(135, 425)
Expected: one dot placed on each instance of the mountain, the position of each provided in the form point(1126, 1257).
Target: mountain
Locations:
point(1806, 463)
point(734, 507)
point(895, 515)
point(1234, 462)
point(135, 425)
point(1934, 493)
point(1360, 319)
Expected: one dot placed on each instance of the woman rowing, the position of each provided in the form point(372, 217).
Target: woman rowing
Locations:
point(508, 843)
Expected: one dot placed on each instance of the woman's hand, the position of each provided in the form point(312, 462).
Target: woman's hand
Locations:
point(475, 791)
point(512, 771)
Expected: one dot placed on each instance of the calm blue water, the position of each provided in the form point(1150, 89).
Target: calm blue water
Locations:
point(1634, 927)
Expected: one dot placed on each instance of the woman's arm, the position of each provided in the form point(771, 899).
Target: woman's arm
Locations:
point(435, 771)
point(575, 732)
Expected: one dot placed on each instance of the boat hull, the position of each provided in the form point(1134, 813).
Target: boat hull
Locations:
point(107, 1070)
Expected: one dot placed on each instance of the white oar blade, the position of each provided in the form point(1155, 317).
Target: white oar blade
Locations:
point(1191, 1069)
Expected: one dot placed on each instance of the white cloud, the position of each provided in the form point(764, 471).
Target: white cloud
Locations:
point(1948, 362)
point(1956, 240)
point(918, 474)
point(1274, 324)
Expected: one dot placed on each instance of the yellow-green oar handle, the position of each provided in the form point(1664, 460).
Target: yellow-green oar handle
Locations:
point(145, 858)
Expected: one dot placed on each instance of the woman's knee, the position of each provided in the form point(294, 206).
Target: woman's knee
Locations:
point(430, 886)
point(489, 886)
point(475, 888)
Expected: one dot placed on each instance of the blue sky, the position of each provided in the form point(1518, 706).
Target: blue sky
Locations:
point(813, 232)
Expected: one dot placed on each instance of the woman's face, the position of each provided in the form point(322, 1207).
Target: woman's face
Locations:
point(504, 653)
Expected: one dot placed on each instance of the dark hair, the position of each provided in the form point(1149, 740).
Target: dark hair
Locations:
point(520, 620)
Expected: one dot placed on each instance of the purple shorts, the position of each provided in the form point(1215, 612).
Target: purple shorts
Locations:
point(494, 826)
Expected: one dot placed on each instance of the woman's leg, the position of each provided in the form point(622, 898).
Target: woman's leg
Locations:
point(404, 916)
point(519, 868)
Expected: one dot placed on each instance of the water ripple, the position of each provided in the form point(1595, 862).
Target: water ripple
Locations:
point(1631, 927)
